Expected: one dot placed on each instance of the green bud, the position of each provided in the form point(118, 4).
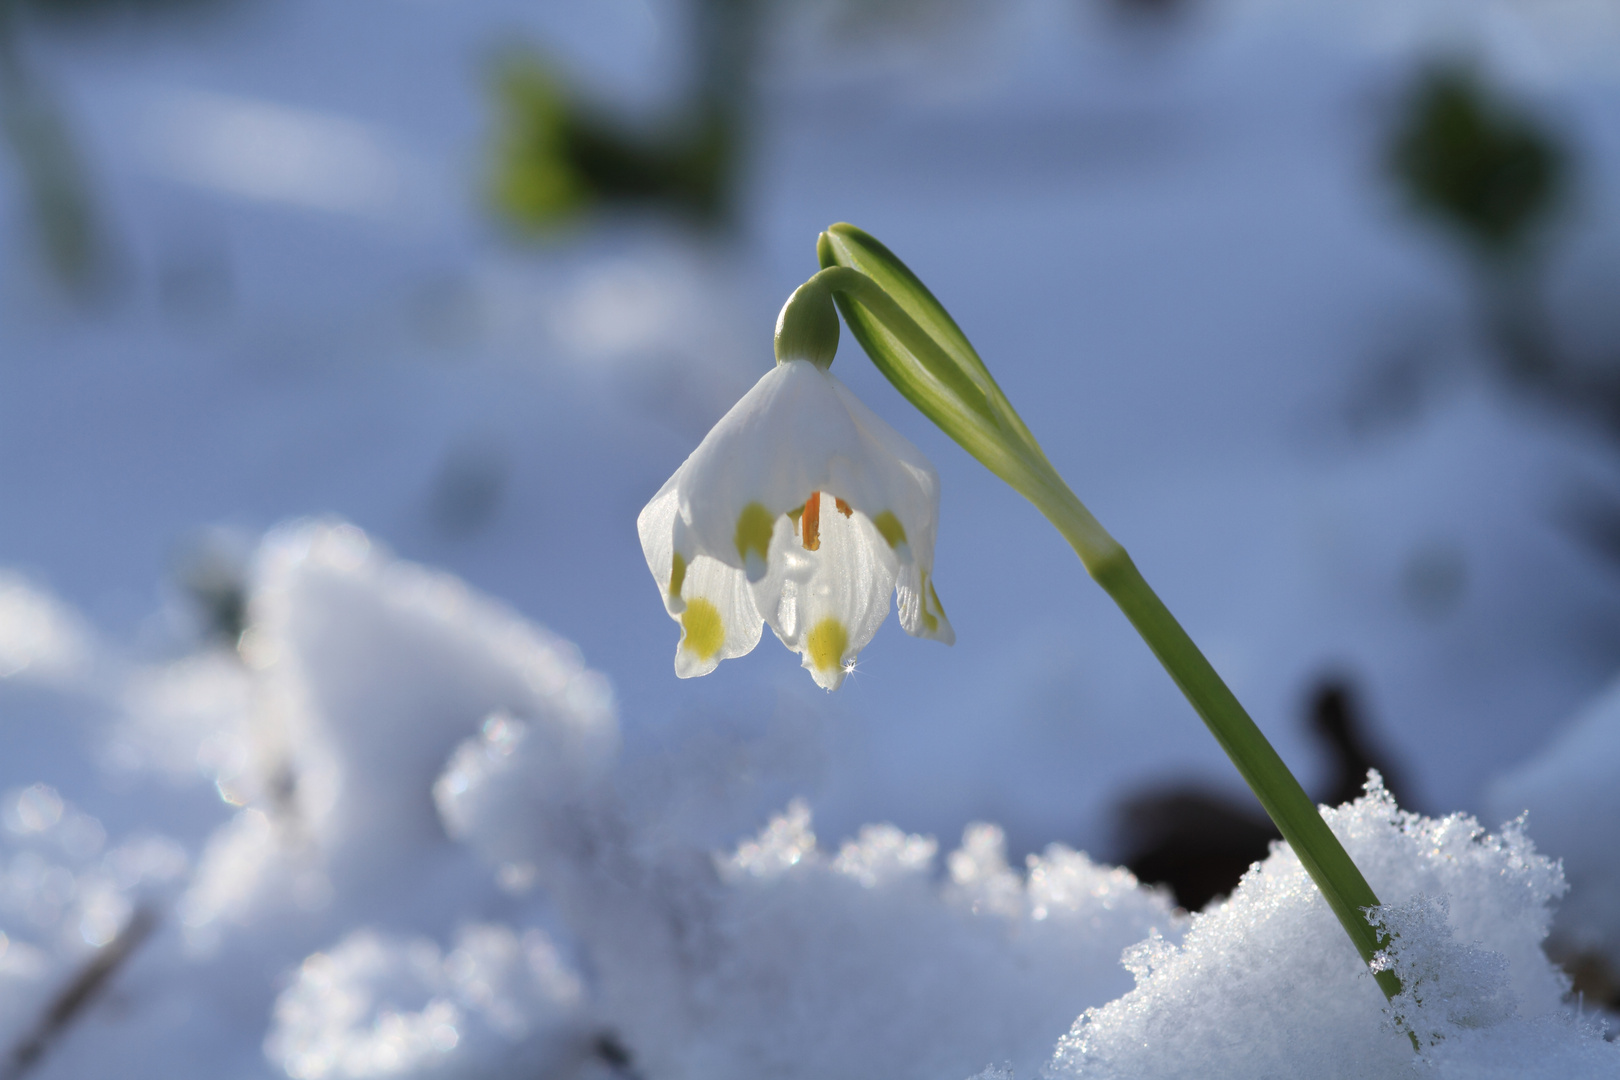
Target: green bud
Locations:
point(807, 328)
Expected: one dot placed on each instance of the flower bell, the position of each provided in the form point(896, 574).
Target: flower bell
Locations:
point(801, 509)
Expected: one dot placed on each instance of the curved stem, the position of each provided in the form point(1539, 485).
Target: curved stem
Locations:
point(1257, 761)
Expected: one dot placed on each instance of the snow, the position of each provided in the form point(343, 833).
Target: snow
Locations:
point(443, 862)
point(482, 1006)
point(385, 698)
point(358, 676)
point(1266, 984)
point(40, 638)
point(772, 957)
point(1562, 790)
point(66, 893)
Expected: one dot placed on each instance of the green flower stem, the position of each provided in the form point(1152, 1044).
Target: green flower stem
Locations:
point(937, 370)
point(1257, 761)
point(1296, 817)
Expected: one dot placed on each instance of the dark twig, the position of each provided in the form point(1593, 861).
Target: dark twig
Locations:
point(77, 995)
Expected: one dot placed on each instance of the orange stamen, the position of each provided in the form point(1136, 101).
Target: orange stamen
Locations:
point(810, 522)
point(843, 507)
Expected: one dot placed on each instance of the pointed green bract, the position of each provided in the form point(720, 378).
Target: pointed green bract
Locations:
point(919, 348)
point(845, 245)
point(949, 382)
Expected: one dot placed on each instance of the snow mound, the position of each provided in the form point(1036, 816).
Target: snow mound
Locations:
point(779, 958)
point(1570, 793)
point(1267, 985)
point(437, 862)
point(356, 676)
point(496, 1004)
point(365, 672)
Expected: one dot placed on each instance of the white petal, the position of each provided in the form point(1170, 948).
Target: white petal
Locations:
point(828, 603)
point(797, 431)
point(747, 472)
point(921, 613)
point(719, 620)
point(905, 481)
point(658, 524)
point(791, 567)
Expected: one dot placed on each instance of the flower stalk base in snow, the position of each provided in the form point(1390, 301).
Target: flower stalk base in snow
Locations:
point(919, 348)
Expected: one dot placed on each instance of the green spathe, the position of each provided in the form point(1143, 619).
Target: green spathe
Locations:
point(917, 345)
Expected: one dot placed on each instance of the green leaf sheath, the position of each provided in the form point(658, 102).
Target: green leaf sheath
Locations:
point(921, 350)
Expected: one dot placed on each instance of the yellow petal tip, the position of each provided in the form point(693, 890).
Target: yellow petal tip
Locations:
point(825, 645)
point(703, 631)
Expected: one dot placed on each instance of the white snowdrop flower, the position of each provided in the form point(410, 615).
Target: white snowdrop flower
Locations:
point(801, 509)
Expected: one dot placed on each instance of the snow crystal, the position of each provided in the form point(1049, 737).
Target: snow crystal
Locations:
point(374, 1006)
point(882, 853)
point(1445, 984)
point(783, 844)
point(1267, 985)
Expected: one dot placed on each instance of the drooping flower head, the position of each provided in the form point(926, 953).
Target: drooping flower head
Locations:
point(801, 509)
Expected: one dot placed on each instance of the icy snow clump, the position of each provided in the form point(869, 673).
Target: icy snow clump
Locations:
point(367, 671)
point(357, 675)
point(496, 1004)
point(40, 637)
point(781, 959)
point(1267, 985)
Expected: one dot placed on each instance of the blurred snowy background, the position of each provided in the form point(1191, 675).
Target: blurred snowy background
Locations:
point(1312, 303)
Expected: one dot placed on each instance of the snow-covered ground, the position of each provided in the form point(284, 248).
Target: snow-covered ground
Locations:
point(1175, 248)
point(436, 857)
